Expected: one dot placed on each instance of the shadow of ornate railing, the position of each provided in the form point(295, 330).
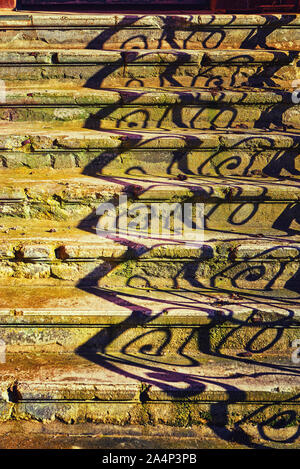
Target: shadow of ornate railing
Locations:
point(250, 283)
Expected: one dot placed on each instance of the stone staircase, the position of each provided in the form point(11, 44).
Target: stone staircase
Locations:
point(138, 341)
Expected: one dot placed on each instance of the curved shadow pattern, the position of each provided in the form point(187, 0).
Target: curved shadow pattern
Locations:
point(250, 283)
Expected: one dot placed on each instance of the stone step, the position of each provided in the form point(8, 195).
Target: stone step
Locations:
point(138, 329)
point(138, 68)
point(108, 389)
point(240, 152)
point(176, 325)
point(95, 436)
point(54, 253)
point(160, 31)
point(229, 204)
point(194, 108)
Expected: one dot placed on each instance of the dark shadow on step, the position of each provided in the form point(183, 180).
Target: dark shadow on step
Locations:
point(152, 367)
point(200, 108)
point(250, 282)
point(207, 106)
point(255, 275)
point(214, 35)
point(254, 156)
point(233, 284)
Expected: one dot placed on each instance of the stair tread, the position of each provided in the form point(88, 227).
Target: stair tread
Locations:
point(57, 435)
point(40, 304)
point(69, 94)
point(81, 241)
point(211, 325)
point(71, 185)
point(230, 57)
point(119, 377)
point(151, 19)
point(50, 135)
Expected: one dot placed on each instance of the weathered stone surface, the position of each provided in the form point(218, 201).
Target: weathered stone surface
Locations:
point(139, 330)
point(56, 435)
point(47, 136)
point(165, 162)
point(235, 203)
point(236, 337)
point(150, 109)
point(229, 261)
point(39, 94)
point(239, 276)
point(150, 31)
point(157, 68)
point(42, 388)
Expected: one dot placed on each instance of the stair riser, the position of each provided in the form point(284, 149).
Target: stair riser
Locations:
point(163, 162)
point(44, 138)
point(179, 413)
point(14, 435)
point(152, 330)
point(235, 276)
point(151, 38)
point(179, 344)
point(160, 117)
point(240, 216)
point(253, 275)
point(158, 75)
